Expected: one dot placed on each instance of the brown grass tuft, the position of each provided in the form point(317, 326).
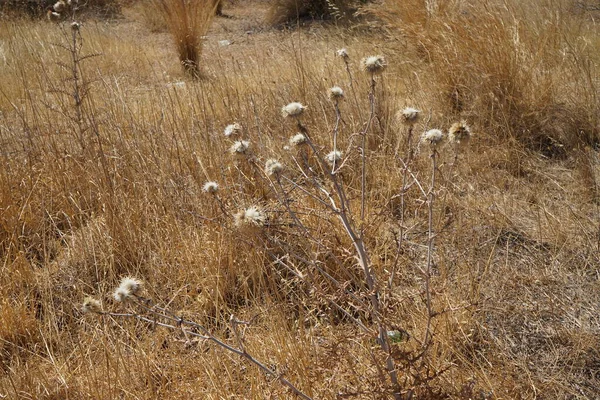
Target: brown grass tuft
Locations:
point(188, 21)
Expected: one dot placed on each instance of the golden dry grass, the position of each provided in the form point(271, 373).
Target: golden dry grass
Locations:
point(515, 283)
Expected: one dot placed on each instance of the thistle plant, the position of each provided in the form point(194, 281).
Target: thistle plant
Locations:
point(136, 306)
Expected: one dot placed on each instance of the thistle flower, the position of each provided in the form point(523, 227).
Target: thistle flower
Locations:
point(409, 115)
point(233, 129)
point(373, 64)
point(459, 133)
point(273, 167)
point(91, 305)
point(336, 93)
point(210, 187)
point(293, 110)
point(433, 137)
point(298, 139)
point(59, 6)
point(252, 216)
point(334, 156)
point(75, 26)
point(343, 53)
point(131, 285)
point(121, 294)
point(240, 147)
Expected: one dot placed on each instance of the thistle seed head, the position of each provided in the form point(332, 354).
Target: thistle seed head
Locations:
point(210, 187)
point(293, 110)
point(91, 305)
point(273, 167)
point(373, 64)
point(336, 93)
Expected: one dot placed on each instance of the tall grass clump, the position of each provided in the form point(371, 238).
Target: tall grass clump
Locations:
point(188, 21)
point(520, 69)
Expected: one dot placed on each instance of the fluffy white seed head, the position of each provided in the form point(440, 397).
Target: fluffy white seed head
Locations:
point(273, 167)
point(334, 156)
point(131, 285)
point(293, 110)
point(59, 6)
point(232, 130)
point(373, 64)
point(91, 305)
point(298, 139)
point(120, 294)
point(240, 147)
point(409, 115)
point(336, 93)
point(251, 216)
point(459, 133)
point(343, 53)
point(433, 137)
point(211, 187)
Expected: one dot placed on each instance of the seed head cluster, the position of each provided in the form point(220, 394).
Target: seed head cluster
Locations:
point(298, 139)
point(233, 130)
point(210, 187)
point(433, 137)
point(336, 93)
point(128, 287)
point(293, 110)
point(251, 216)
point(334, 156)
point(459, 133)
point(240, 147)
point(409, 115)
point(343, 53)
point(273, 167)
point(373, 64)
point(91, 305)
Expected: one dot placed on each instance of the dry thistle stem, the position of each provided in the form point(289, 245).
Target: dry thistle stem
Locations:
point(373, 64)
point(459, 133)
point(336, 93)
point(293, 110)
point(91, 305)
point(409, 115)
point(298, 139)
point(273, 167)
point(433, 137)
point(233, 129)
point(240, 147)
point(211, 187)
point(252, 216)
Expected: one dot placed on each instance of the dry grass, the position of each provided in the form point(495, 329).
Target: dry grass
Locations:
point(522, 70)
point(514, 282)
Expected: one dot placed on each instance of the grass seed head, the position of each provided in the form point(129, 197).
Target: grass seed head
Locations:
point(373, 64)
point(293, 110)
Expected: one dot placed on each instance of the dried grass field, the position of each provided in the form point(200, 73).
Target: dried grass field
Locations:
point(274, 200)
